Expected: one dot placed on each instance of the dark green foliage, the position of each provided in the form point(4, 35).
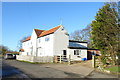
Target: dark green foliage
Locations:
point(105, 31)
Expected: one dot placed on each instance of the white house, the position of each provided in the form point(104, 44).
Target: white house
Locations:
point(43, 45)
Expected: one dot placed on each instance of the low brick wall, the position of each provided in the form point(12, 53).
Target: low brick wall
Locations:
point(35, 58)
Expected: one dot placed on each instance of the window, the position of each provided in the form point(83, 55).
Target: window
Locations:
point(47, 39)
point(77, 52)
point(27, 53)
point(62, 29)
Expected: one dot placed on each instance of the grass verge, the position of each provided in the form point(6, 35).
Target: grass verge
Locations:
point(114, 69)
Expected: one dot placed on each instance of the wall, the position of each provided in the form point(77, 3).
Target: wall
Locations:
point(30, 45)
point(45, 48)
point(61, 41)
point(27, 46)
point(75, 57)
point(24, 58)
point(35, 58)
point(34, 43)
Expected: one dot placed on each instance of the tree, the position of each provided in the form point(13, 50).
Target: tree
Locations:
point(105, 32)
point(76, 35)
point(3, 49)
point(82, 35)
point(19, 45)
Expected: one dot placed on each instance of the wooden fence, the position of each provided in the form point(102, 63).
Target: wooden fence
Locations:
point(60, 59)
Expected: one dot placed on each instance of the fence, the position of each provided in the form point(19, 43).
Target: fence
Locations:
point(60, 59)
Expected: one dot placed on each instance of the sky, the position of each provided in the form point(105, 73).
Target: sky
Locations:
point(20, 18)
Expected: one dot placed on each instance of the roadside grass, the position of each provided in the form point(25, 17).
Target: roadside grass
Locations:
point(114, 69)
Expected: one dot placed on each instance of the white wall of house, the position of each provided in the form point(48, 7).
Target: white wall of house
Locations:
point(52, 44)
point(30, 45)
point(82, 54)
point(27, 48)
point(34, 42)
point(61, 41)
point(45, 45)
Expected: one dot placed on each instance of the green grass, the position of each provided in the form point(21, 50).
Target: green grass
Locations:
point(114, 69)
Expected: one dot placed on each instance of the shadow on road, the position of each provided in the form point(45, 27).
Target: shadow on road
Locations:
point(11, 72)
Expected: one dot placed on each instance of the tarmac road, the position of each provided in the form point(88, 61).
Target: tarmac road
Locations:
point(22, 69)
point(10, 71)
point(13, 69)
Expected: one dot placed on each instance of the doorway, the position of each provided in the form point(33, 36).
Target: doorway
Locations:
point(64, 52)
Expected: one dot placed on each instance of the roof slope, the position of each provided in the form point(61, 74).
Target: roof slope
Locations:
point(41, 33)
point(49, 31)
point(38, 32)
point(76, 45)
point(27, 39)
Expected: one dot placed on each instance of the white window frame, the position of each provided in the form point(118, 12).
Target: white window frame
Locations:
point(77, 52)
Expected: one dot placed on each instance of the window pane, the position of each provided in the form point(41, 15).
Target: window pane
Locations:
point(74, 52)
point(77, 52)
point(47, 39)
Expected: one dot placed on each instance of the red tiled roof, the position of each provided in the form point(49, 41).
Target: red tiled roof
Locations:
point(27, 39)
point(38, 32)
point(41, 33)
point(22, 50)
point(48, 31)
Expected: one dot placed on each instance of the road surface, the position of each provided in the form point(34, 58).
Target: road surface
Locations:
point(17, 69)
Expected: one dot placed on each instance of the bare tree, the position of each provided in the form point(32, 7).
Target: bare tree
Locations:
point(81, 35)
point(19, 45)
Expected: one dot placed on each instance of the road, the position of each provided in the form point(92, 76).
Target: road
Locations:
point(10, 71)
point(17, 69)
point(32, 70)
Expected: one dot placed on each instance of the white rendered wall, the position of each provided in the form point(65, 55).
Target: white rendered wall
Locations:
point(83, 54)
point(34, 43)
point(45, 48)
point(61, 41)
point(27, 48)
